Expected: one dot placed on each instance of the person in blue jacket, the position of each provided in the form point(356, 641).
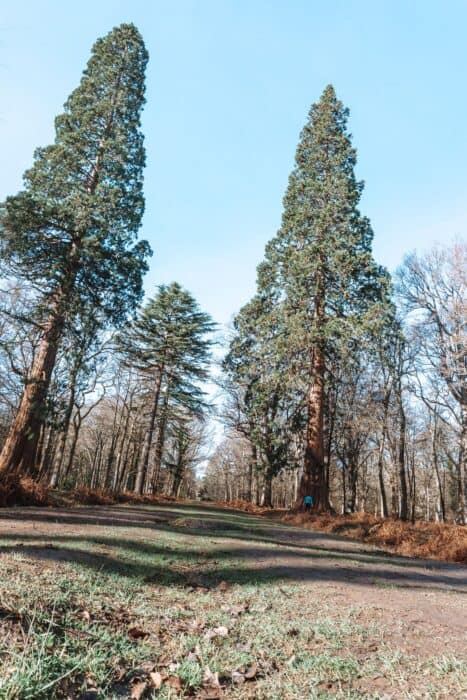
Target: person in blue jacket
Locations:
point(308, 502)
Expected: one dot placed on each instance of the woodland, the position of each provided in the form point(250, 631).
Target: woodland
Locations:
point(337, 380)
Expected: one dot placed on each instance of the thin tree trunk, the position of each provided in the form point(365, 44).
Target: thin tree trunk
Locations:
point(461, 467)
point(442, 504)
point(74, 441)
point(160, 442)
point(251, 464)
point(143, 465)
point(403, 512)
point(60, 451)
point(48, 452)
point(382, 487)
point(266, 496)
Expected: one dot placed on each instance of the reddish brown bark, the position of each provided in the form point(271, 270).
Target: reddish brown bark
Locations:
point(313, 482)
point(19, 451)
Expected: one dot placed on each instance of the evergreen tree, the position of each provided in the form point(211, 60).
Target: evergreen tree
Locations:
point(322, 268)
point(255, 367)
point(169, 345)
point(72, 229)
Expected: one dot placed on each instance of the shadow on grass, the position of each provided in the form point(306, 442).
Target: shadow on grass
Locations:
point(240, 547)
point(245, 564)
point(225, 523)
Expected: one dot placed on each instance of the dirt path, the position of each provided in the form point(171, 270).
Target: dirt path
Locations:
point(421, 603)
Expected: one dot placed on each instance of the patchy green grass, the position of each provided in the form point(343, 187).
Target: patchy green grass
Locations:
point(119, 612)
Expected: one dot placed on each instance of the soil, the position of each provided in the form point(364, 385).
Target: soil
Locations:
point(421, 602)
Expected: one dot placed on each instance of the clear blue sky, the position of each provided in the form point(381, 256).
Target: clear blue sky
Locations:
point(229, 86)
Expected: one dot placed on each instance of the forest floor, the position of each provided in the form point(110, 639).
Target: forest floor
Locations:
point(173, 601)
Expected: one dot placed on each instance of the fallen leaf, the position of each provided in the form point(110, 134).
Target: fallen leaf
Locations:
point(138, 690)
point(173, 682)
point(237, 610)
point(251, 672)
point(196, 625)
point(137, 633)
point(85, 616)
point(155, 680)
point(210, 679)
point(237, 677)
point(216, 632)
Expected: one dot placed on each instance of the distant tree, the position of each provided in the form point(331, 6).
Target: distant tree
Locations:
point(72, 229)
point(187, 438)
point(169, 345)
point(433, 290)
point(254, 365)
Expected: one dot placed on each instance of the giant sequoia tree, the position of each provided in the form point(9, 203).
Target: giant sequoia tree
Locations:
point(329, 285)
point(72, 229)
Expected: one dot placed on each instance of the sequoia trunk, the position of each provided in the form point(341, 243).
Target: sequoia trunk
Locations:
point(313, 482)
point(18, 455)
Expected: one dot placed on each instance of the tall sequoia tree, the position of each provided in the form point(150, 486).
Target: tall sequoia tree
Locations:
point(72, 230)
point(331, 287)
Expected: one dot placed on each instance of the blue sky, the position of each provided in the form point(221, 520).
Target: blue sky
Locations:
point(230, 83)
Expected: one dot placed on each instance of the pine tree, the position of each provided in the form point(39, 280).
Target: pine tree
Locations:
point(330, 287)
point(72, 229)
point(169, 346)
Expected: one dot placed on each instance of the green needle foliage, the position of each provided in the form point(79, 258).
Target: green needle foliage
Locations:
point(169, 345)
point(326, 293)
point(329, 282)
point(72, 230)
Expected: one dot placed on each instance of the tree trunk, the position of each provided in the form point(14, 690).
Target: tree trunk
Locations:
point(77, 420)
point(461, 468)
point(60, 451)
point(382, 487)
point(143, 464)
point(313, 482)
point(177, 478)
point(160, 442)
point(47, 456)
point(18, 455)
point(442, 504)
point(404, 508)
point(251, 465)
point(266, 496)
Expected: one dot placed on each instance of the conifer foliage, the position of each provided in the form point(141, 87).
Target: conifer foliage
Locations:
point(169, 346)
point(72, 229)
point(320, 271)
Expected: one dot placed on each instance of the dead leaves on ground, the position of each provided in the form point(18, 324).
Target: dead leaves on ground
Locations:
point(213, 686)
point(166, 673)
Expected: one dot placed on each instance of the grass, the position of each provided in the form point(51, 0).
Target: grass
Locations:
point(446, 541)
point(122, 612)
